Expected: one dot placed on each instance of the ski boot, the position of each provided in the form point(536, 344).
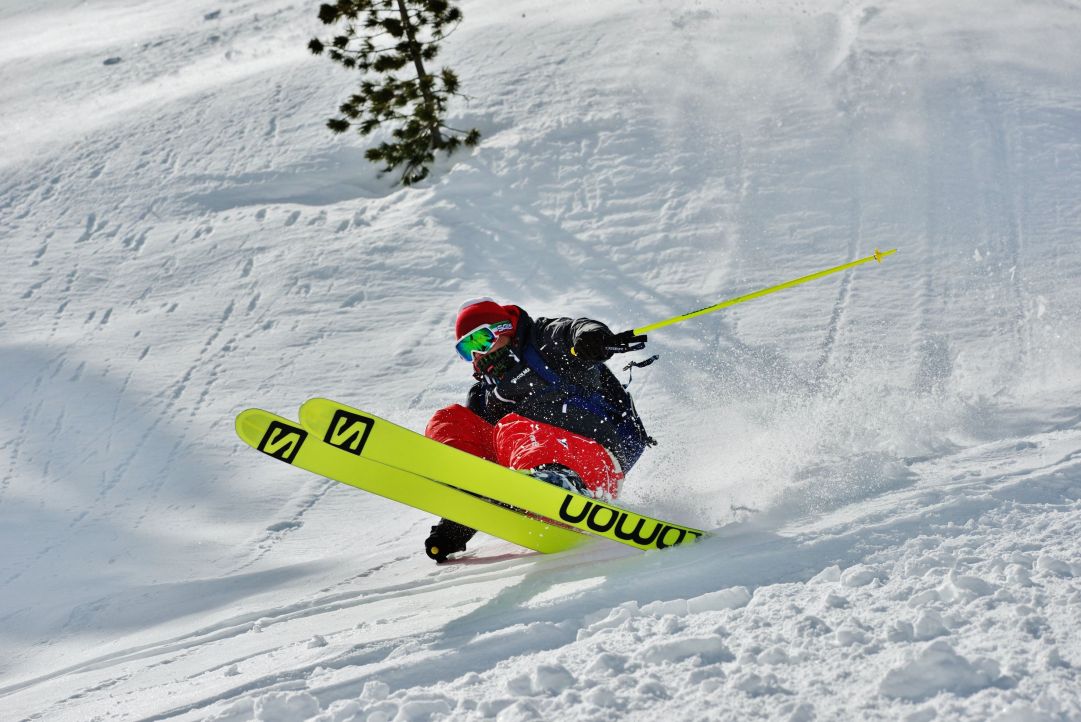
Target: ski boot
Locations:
point(447, 537)
point(561, 476)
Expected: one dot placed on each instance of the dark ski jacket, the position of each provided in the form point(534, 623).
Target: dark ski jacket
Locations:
point(549, 385)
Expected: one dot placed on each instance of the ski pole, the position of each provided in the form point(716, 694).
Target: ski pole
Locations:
point(634, 339)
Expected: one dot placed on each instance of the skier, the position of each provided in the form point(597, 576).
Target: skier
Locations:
point(543, 401)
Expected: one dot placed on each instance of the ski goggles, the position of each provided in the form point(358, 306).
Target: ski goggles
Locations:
point(480, 340)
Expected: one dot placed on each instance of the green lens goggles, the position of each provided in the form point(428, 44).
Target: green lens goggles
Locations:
point(480, 340)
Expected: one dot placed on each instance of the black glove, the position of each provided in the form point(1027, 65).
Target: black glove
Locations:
point(598, 343)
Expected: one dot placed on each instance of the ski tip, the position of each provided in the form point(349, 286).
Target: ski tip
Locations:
point(317, 404)
point(245, 420)
point(253, 423)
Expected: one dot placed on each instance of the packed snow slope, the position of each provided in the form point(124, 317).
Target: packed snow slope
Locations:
point(890, 458)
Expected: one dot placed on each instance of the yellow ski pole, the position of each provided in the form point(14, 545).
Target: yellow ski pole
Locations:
point(635, 338)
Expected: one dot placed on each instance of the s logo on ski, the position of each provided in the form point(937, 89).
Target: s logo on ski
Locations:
point(282, 441)
point(349, 432)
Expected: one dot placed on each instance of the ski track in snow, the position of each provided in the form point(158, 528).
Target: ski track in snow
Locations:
point(890, 458)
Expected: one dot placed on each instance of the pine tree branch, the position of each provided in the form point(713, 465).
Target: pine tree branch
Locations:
point(356, 53)
point(450, 32)
point(454, 130)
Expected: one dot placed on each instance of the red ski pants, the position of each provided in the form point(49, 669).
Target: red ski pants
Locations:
point(520, 443)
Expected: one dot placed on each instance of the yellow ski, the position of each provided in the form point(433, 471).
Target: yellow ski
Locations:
point(289, 442)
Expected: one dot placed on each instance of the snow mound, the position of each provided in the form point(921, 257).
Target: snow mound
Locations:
point(938, 668)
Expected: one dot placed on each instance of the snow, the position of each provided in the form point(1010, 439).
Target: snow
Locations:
point(889, 458)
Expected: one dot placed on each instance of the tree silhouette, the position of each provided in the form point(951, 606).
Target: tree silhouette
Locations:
point(389, 42)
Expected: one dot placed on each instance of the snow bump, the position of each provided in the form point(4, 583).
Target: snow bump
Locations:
point(709, 649)
point(937, 668)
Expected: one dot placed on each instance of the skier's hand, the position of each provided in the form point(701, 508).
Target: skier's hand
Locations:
point(598, 344)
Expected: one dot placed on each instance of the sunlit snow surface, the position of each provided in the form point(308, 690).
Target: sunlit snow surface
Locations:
point(890, 458)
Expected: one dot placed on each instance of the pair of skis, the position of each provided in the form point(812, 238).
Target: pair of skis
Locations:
point(370, 453)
